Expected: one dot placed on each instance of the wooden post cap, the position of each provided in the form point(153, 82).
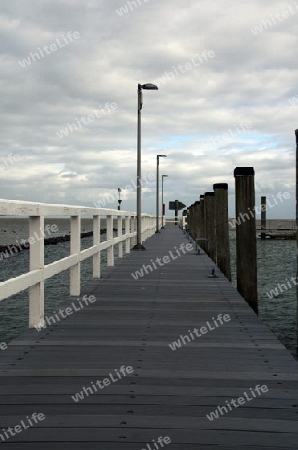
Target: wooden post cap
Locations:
point(220, 186)
point(244, 171)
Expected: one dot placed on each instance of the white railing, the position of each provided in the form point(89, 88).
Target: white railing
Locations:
point(38, 272)
point(181, 220)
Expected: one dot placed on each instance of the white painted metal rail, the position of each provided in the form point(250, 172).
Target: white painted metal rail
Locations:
point(39, 272)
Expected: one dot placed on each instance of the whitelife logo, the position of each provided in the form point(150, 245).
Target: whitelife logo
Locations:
point(220, 320)
point(235, 403)
point(86, 120)
point(228, 137)
point(24, 425)
point(281, 287)
point(89, 390)
point(9, 160)
point(130, 5)
point(20, 245)
point(243, 217)
point(274, 20)
point(63, 313)
point(175, 254)
point(113, 195)
point(159, 444)
point(48, 49)
point(196, 61)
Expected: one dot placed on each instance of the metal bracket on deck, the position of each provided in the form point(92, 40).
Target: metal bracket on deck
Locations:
point(213, 274)
point(198, 248)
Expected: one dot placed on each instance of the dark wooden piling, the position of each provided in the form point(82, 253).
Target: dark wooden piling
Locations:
point(190, 220)
point(210, 224)
point(263, 216)
point(246, 244)
point(196, 220)
point(296, 133)
point(202, 235)
point(222, 228)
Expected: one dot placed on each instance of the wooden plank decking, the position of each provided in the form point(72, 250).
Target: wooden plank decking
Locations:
point(169, 393)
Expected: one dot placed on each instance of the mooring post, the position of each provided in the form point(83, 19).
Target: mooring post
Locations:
point(296, 132)
point(202, 234)
point(196, 220)
point(210, 224)
point(222, 228)
point(246, 243)
point(263, 216)
point(191, 220)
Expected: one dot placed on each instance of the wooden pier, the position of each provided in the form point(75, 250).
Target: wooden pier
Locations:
point(167, 393)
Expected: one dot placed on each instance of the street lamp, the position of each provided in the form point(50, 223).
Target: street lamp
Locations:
point(119, 200)
point(151, 87)
point(162, 177)
point(157, 190)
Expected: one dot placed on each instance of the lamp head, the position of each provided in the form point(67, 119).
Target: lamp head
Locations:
point(149, 86)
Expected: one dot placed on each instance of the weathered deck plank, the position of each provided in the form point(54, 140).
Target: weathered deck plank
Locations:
point(169, 392)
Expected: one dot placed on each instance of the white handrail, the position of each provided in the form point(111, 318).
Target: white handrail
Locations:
point(38, 272)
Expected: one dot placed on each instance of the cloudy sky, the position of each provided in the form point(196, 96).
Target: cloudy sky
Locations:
point(228, 96)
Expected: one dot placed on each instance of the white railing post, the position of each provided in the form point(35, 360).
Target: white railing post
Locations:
point(33, 280)
point(36, 292)
point(127, 231)
point(148, 231)
point(133, 226)
point(96, 241)
point(119, 233)
point(75, 248)
point(143, 221)
point(110, 249)
point(144, 224)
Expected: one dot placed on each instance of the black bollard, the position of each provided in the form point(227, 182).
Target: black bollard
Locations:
point(196, 220)
point(246, 243)
point(222, 229)
point(202, 234)
point(263, 217)
point(210, 224)
point(296, 132)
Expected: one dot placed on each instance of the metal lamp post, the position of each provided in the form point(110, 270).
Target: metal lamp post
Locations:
point(147, 86)
point(162, 177)
point(157, 190)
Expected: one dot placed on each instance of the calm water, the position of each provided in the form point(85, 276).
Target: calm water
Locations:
point(14, 312)
point(276, 264)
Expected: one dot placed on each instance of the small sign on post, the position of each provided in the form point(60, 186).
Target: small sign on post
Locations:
point(172, 205)
point(176, 206)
